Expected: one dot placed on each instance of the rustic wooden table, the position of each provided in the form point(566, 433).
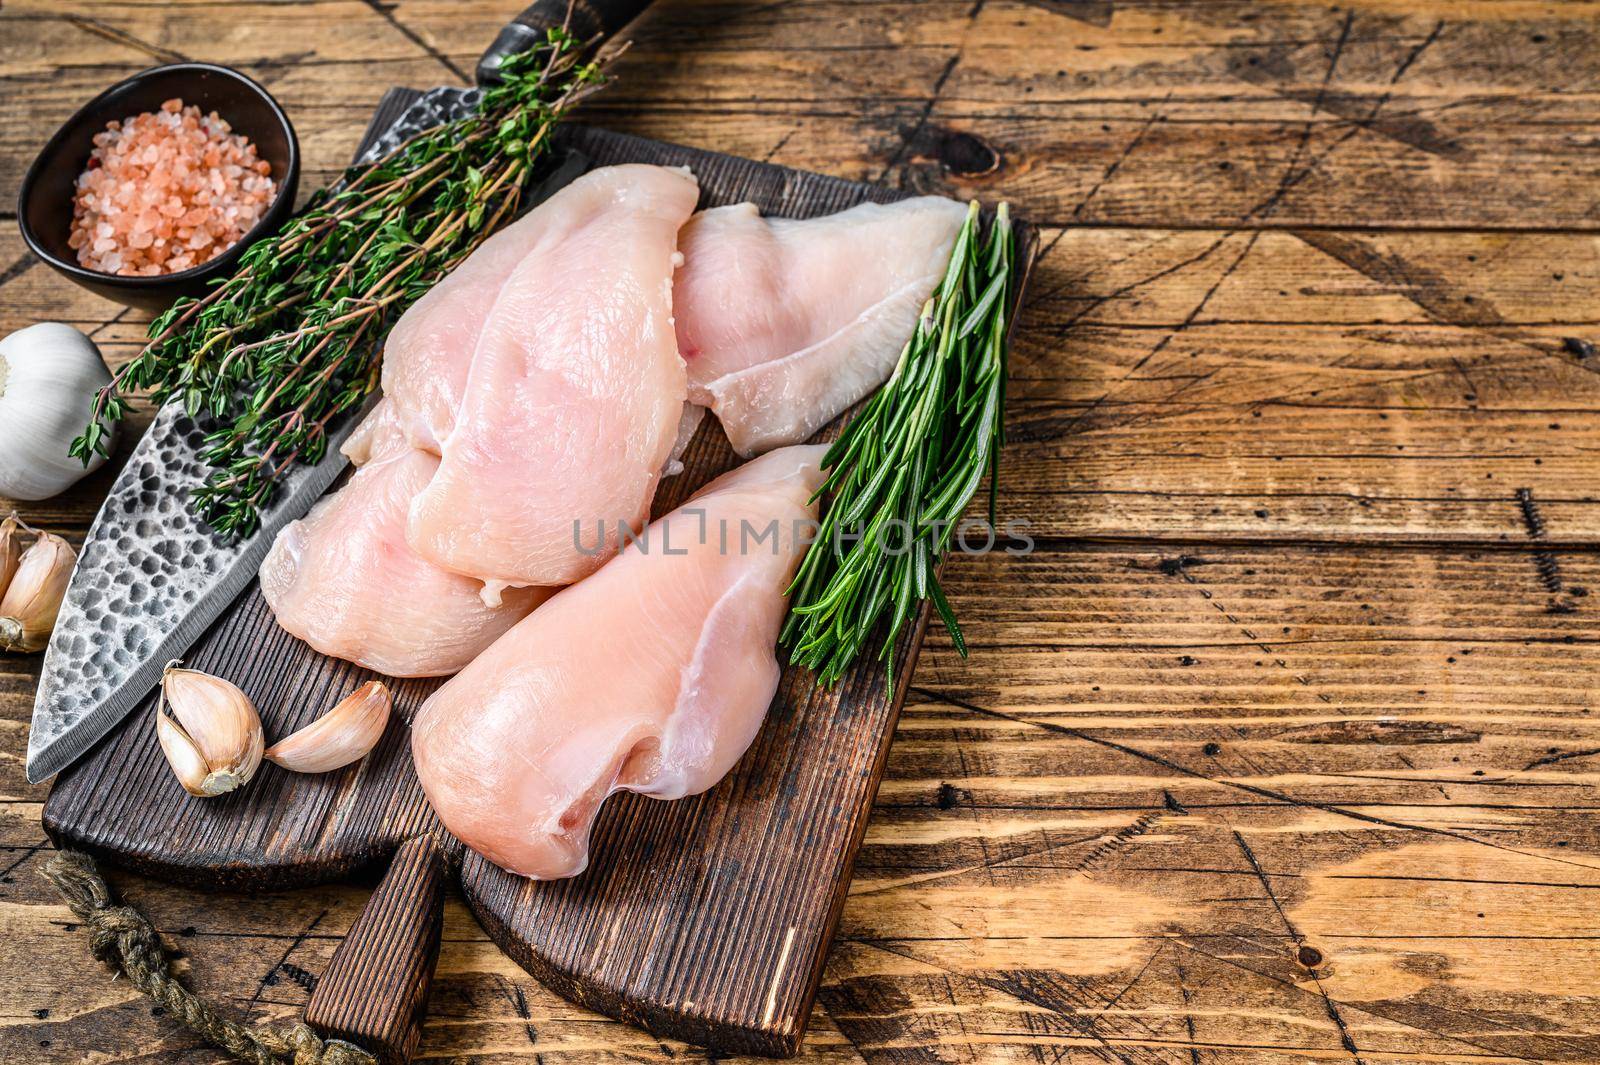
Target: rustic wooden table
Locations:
point(1283, 744)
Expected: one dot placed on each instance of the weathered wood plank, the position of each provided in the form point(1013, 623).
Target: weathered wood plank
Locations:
point(1220, 791)
point(1146, 113)
point(1154, 776)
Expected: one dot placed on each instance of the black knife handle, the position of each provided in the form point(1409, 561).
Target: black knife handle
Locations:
point(592, 20)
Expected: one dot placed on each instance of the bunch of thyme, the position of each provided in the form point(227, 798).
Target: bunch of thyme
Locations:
point(291, 340)
point(902, 472)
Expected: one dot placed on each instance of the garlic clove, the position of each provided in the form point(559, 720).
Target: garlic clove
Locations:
point(33, 598)
point(343, 735)
point(182, 755)
point(10, 549)
point(209, 731)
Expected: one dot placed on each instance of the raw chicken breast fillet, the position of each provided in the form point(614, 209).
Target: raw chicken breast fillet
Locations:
point(575, 391)
point(378, 434)
point(428, 352)
point(688, 425)
point(785, 323)
point(653, 676)
point(344, 580)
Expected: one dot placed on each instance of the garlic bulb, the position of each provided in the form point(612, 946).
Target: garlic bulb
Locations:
point(49, 374)
point(33, 598)
point(343, 735)
point(208, 729)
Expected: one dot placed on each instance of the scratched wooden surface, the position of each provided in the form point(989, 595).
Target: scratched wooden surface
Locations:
point(1282, 746)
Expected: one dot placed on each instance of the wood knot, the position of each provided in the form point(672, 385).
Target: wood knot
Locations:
point(968, 155)
point(1309, 956)
point(1174, 567)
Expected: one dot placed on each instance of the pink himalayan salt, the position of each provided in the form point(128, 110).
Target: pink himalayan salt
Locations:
point(166, 191)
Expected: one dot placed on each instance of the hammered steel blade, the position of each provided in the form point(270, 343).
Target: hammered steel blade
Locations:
point(150, 579)
point(151, 576)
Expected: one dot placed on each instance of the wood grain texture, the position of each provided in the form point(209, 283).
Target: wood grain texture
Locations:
point(1230, 424)
point(374, 993)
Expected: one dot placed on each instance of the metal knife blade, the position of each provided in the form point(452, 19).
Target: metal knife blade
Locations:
point(151, 577)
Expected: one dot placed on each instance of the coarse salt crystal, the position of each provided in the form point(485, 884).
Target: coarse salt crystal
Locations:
point(173, 173)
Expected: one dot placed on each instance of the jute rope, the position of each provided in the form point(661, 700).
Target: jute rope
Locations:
point(124, 940)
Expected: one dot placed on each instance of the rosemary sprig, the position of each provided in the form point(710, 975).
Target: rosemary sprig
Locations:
point(291, 340)
point(902, 472)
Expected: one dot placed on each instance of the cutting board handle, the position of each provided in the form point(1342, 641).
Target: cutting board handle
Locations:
point(375, 992)
point(592, 20)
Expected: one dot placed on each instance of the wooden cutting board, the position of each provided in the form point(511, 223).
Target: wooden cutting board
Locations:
point(706, 919)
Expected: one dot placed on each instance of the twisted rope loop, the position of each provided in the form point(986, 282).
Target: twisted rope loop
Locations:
point(122, 938)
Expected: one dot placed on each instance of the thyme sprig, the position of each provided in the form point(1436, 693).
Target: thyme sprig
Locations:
point(291, 340)
point(902, 472)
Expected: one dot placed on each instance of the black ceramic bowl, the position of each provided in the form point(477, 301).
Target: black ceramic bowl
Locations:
point(44, 208)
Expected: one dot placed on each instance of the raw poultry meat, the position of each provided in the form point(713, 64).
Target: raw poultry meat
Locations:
point(653, 675)
point(332, 578)
point(379, 433)
point(428, 352)
point(575, 389)
point(688, 425)
point(785, 323)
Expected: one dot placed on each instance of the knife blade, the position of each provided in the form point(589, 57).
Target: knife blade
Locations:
point(152, 577)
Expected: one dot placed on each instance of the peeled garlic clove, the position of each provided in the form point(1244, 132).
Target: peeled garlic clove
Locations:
point(341, 736)
point(10, 549)
point(33, 598)
point(209, 731)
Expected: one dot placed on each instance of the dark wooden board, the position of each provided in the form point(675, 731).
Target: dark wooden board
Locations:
point(705, 919)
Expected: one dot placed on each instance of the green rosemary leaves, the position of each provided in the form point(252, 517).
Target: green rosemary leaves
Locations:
point(904, 469)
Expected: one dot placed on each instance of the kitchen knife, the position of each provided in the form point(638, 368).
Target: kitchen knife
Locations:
point(151, 577)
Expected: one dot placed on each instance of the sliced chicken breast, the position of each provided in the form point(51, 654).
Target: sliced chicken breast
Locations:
point(378, 434)
point(785, 323)
point(575, 391)
point(428, 352)
point(653, 676)
point(344, 580)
